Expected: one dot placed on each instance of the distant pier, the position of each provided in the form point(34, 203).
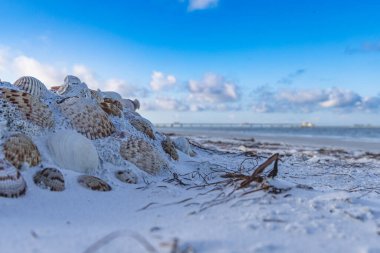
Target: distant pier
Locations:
point(227, 125)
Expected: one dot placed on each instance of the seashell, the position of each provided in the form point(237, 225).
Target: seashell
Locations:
point(93, 183)
point(131, 105)
point(183, 144)
point(32, 86)
point(87, 118)
point(126, 176)
point(29, 106)
point(19, 149)
point(143, 125)
point(73, 87)
point(111, 107)
point(72, 151)
point(12, 184)
point(169, 148)
point(143, 155)
point(111, 94)
point(50, 178)
point(96, 95)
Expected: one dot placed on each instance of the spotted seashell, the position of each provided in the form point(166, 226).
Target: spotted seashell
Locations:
point(111, 107)
point(93, 183)
point(29, 106)
point(19, 149)
point(183, 144)
point(72, 151)
point(96, 95)
point(143, 155)
point(31, 85)
point(87, 118)
point(169, 148)
point(50, 178)
point(131, 105)
point(12, 184)
point(126, 176)
point(143, 126)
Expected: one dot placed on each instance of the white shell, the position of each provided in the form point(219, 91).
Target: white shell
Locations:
point(131, 105)
point(126, 176)
point(72, 151)
point(32, 86)
point(12, 184)
point(73, 87)
point(183, 145)
point(111, 94)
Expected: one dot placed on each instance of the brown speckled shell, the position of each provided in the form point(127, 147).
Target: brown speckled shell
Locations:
point(87, 118)
point(169, 148)
point(110, 109)
point(50, 178)
point(143, 155)
point(94, 183)
point(143, 125)
point(30, 107)
point(19, 149)
point(126, 176)
point(12, 184)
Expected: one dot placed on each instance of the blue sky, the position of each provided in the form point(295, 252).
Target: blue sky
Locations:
point(207, 60)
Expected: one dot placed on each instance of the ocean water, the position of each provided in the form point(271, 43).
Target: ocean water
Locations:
point(368, 134)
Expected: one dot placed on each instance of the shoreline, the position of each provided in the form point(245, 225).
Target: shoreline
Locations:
point(316, 141)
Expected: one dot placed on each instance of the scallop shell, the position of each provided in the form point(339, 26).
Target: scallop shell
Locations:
point(30, 107)
point(94, 183)
point(71, 150)
point(183, 144)
point(143, 155)
point(32, 86)
point(50, 178)
point(126, 176)
point(143, 125)
point(169, 148)
point(131, 105)
point(20, 149)
point(87, 118)
point(111, 107)
point(12, 184)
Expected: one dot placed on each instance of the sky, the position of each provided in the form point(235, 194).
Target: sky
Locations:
point(206, 61)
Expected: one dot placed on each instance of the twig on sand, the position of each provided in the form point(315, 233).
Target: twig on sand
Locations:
point(116, 234)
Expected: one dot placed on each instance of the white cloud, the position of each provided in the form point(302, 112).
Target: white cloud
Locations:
point(202, 4)
point(213, 88)
point(124, 88)
point(165, 104)
point(160, 81)
point(309, 100)
point(26, 66)
point(88, 76)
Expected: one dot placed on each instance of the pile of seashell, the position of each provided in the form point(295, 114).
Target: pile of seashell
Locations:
point(71, 127)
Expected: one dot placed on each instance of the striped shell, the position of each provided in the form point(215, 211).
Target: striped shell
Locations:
point(51, 179)
point(111, 107)
point(19, 149)
point(169, 148)
point(143, 155)
point(12, 184)
point(30, 107)
point(126, 176)
point(72, 151)
point(94, 183)
point(87, 118)
point(143, 125)
point(32, 86)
